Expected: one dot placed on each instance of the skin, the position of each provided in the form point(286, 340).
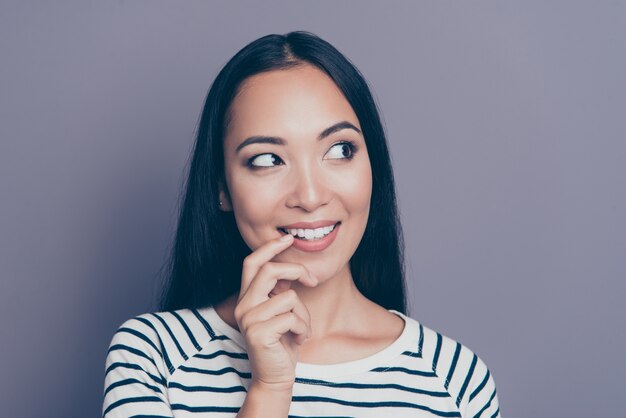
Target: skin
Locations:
point(310, 182)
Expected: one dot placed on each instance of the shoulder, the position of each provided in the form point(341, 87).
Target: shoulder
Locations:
point(463, 374)
point(143, 353)
point(170, 337)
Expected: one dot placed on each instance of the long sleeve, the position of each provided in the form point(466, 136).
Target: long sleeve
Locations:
point(483, 399)
point(463, 375)
point(135, 382)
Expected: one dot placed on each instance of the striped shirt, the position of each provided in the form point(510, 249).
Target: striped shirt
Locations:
point(190, 363)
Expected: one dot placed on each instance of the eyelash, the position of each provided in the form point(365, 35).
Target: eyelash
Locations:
point(351, 145)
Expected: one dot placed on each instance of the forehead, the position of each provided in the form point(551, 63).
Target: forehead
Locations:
point(293, 102)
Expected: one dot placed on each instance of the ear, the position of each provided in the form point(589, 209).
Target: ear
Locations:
point(224, 197)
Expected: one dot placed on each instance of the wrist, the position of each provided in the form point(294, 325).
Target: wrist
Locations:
point(275, 390)
point(265, 400)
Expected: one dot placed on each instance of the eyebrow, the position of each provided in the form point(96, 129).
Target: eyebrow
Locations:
point(280, 141)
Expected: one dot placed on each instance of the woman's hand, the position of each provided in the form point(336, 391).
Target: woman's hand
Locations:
point(271, 317)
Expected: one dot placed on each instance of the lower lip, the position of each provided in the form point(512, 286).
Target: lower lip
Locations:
point(318, 244)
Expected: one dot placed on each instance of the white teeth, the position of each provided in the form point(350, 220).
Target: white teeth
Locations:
point(311, 234)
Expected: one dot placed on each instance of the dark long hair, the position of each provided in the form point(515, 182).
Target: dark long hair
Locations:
point(206, 259)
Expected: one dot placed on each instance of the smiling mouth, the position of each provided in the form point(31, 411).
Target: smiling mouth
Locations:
point(310, 234)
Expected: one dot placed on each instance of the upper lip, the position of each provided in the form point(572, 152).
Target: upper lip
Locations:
point(309, 225)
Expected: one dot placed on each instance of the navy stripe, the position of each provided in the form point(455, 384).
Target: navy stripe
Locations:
point(374, 404)
point(132, 350)
point(221, 337)
point(218, 353)
point(178, 406)
point(130, 382)
point(168, 363)
point(479, 413)
point(414, 354)
point(495, 414)
point(404, 370)
point(455, 359)
point(169, 331)
point(139, 353)
point(142, 337)
point(204, 323)
point(231, 389)
point(151, 416)
point(114, 366)
point(437, 351)
point(187, 330)
point(131, 400)
point(480, 387)
point(470, 373)
point(372, 386)
point(216, 372)
point(325, 416)
point(420, 344)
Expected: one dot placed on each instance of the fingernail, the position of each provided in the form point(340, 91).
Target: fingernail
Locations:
point(286, 237)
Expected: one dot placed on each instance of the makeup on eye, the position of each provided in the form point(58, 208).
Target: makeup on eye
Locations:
point(269, 158)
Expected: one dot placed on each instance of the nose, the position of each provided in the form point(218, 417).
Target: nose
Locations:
point(308, 189)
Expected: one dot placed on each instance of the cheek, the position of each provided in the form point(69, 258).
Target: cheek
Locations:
point(356, 189)
point(254, 205)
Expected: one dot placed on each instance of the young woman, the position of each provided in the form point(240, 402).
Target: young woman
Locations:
point(286, 291)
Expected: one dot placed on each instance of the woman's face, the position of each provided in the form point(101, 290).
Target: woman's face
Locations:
point(293, 153)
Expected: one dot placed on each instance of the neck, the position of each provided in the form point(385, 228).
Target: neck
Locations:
point(336, 306)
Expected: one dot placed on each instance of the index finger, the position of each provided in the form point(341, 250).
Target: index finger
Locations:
point(254, 261)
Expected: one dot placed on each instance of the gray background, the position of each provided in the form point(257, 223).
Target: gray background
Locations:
point(507, 133)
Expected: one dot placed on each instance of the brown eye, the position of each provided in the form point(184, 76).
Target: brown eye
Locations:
point(263, 161)
point(342, 150)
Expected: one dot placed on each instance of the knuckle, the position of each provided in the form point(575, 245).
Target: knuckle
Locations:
point(248, 262)
point(238, 313)
point(252, 332)
point(255, 334)
point(244, 321)
point(267, 269)
point(304, 272)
